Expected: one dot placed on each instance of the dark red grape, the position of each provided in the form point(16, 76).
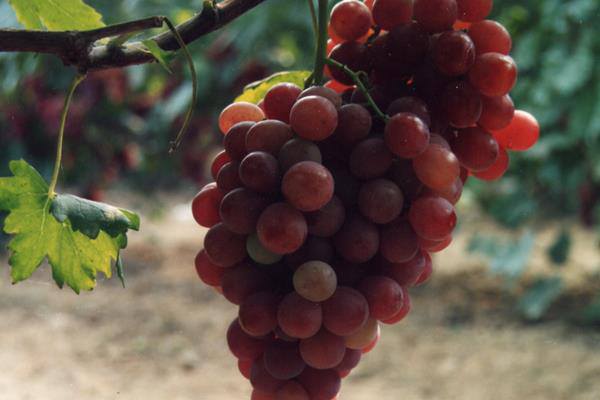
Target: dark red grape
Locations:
point(490, 37)
point(437, 167)
point(493, 74)
point(354, 124)
point(453, 53)
point(205, 206)
point(350, 19)
point(398, 242)
point(436, 15)
point(313, 118)
point(308, 186)
point(268, 136)
point(432, 218)
point(234, 141)
point(475, 148)
point(411, 105)
point(281, 228)
point(259, 171)
point(380, 200)
point(279, 101)
point(242, 345)
point(358, 239)
point(208, 272)
point(474, 10)
point(461, 104)
point(326, 221)
point(406, 135)
point(240, 210)
point(282, 360)
point(224, 247)
point(496, 113)
point(258, 314)
point(345, 312)
point(298, 150)
point(325, 92)
point(389, 14)
point(298, 317)
point(370, 159)
point(384, 296)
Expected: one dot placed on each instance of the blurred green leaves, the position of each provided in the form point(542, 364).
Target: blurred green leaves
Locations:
point(56, 15)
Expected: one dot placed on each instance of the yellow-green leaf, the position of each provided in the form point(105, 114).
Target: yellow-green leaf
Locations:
point(56, 15)
point(75, 257)
point(255, 92)
point(159, 54)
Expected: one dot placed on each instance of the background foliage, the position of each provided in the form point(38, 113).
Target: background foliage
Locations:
point(122, 120)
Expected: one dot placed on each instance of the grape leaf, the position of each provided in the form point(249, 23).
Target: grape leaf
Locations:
point(159, 54)
point(255, 91)
point(56, 15)
point(53, 228)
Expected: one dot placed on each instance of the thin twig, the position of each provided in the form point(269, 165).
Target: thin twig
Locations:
point(360, 85)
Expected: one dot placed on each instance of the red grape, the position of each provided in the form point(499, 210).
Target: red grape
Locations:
point(320, 384)
point(326, 221)
point(461, 104)
point(298, 150)
point(292, 390)
point(384, 296)
point(259, 171)
point(496, 113)
point(476, 149)
point(388, 14)
point(239, 112)
point(490, 37)
point(432, 217)
point(350, 19)
point(313, 118)
point(358, 239)
point(242, 281)
point(205, 206)
point(323, 350)
point(308, 186)
point(380, 200)
point(407, 273)
point(242, 345)
point(240, 210)
point(454, 53)
point(262, 380)
point(325, 92)
point(224, 247)
point(496, 170)
point(228, 177)
point(208, 272)
point(437, 167)
point(282, 360)
point(364, 336)
point(406, 135)
point(345, 312)
point(403, 311)
point(234, 141)
point(474, 10)
point(370, 159)
point(279, 101)
point(354, 124)
point(436, 15)
point(493, 74)
point(258, 314)
point(268, 136)
point(521, 134)
point(218, 162)
point(398, 242)
point(411, 105)
point(281, 228)
point(298, 317)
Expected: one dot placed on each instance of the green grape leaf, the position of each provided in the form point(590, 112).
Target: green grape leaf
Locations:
point(255, 91)
point(159, 54)
point(56, 15)
point(90, 217)
point(79, 238)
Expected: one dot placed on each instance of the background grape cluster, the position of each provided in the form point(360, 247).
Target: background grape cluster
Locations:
point(323, 214)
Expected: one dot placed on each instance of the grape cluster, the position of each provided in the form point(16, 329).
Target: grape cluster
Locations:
point(324, 214)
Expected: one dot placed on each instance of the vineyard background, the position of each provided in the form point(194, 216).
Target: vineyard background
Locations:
point(512, 310)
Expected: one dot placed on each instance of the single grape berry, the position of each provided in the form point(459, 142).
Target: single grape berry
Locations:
point(493, 74)
point(432, 218)
point(389, 14)
point(406, 135)
point(239, 112)
point(521, 134)
point(453, 53)
point(436, 15)
point(313, 118)
point(350, 19)
point(308, 186)
point(279, 100)
point(490, 37)
point(281, 228)
point(315, 281)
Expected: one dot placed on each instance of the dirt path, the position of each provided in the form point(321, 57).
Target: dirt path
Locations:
point(163, 338)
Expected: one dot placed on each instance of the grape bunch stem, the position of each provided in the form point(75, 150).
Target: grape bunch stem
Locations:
point(360, 85)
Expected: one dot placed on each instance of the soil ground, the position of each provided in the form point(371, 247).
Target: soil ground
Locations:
point(163, 337)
